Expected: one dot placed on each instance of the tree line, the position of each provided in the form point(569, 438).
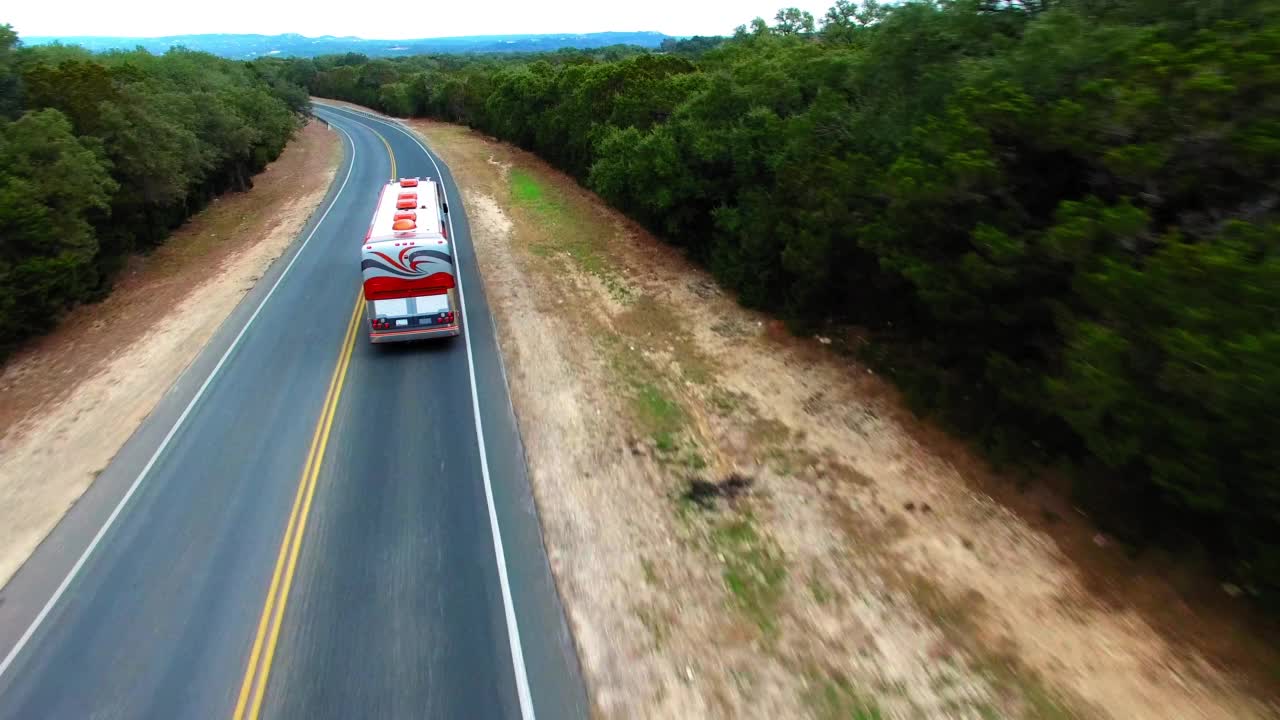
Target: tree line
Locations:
point(103, 155)
point(1059, 220)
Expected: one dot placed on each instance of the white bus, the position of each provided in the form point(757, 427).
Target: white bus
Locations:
point(407, 265)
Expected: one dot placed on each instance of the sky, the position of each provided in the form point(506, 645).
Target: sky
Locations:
point(392, 20)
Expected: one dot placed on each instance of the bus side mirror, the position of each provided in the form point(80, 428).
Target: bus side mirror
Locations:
point(445, 207)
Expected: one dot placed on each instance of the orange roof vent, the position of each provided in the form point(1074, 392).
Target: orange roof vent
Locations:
point(406, 201)
point(400, 225)
point(408, 182)
point(405, 215)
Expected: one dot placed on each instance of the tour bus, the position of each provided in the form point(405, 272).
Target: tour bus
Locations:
point(407, 265)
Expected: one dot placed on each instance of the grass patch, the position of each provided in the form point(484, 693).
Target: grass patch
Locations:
point(616, 287)
point(658, 410)
point(652, 403)
point(529, 193)
point(651, 322)
point(821, 593)
point(694, 461)
point(665, 443)
point(788, 462)
point(526, 190)
point(743, 679)
point(781, 461)
point(776, 446)
point(568, 232)
point(1043, 703)
point(834, 698)
point(726, 402)
point(1007, 675)
point(986, 712)
point(754, 571)
point(650, 573)
point(762, 432)
point(654, 409)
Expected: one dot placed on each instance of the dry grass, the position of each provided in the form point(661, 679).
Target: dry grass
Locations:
point(70, 399)
point(864, 573)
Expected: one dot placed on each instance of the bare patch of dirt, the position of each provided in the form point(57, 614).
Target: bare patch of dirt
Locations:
point(70, 399)
point(864, 570)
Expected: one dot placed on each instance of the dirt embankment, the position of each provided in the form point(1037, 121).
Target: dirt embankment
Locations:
point(744, 524)
point(72, 398)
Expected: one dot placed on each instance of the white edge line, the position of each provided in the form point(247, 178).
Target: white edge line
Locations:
point(513, 628)
point(102, 531)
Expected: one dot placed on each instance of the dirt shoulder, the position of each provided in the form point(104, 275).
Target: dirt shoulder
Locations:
point(743, 523)
point(70, 399)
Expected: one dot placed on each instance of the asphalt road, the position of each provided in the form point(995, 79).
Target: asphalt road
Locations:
point(308, 526)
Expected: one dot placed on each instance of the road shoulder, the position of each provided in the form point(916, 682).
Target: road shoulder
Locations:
point(70, 400)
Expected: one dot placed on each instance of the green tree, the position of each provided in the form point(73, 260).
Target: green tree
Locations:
point(51, 184)
point(147, 140)
point(10, 101)
point(793, 21)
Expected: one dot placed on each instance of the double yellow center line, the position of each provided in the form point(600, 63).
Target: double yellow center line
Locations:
point(390, 154)
point(254, 686)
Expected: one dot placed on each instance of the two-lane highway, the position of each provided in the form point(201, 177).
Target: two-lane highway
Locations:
point(309, 526)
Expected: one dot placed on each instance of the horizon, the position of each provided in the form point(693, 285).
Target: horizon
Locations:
point(23, 36)
point(153, 19)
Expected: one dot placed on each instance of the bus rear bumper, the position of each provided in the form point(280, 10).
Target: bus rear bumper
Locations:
point(386, 336)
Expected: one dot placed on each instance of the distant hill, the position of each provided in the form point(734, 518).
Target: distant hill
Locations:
point(244, 47)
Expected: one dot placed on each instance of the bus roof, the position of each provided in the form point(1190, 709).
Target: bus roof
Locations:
point(408, 209)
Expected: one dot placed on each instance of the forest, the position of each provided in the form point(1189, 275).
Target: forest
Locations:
point(1056, 222)
point(101, 155)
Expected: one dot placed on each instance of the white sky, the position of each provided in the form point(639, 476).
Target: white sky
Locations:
point(390, 20)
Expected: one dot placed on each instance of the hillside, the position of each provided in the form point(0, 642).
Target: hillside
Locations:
point(1055, 229)
point(240, 47)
